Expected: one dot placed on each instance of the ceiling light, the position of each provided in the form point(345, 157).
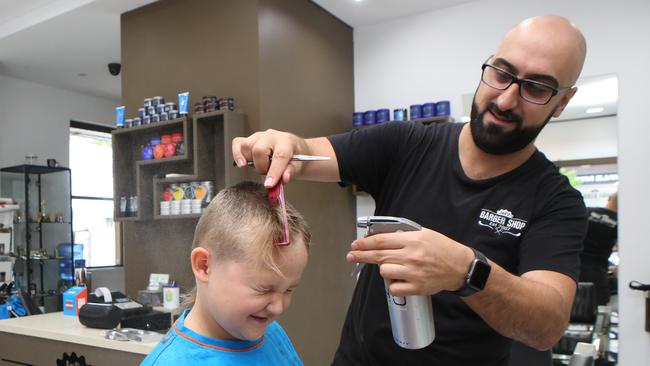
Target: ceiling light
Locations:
point(594, 110)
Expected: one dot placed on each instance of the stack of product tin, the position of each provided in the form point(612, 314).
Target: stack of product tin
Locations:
point(428, 110)
point(186, 198)
point(211, 103)
point(164, 146)
point(417, 111)
point(154, 110)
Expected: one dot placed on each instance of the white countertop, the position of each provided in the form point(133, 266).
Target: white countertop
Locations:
point(66, 328)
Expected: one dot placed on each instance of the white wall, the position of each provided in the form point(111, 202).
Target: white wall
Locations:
point(35, 118)
point(437, 55)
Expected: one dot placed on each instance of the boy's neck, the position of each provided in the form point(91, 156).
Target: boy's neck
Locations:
point(201, 322)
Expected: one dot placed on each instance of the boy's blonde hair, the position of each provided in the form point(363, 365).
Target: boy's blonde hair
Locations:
point(241, 225)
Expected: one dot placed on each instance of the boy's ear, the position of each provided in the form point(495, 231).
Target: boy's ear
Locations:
point(200, 259)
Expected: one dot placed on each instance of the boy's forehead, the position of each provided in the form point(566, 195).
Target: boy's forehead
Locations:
point(289, 259)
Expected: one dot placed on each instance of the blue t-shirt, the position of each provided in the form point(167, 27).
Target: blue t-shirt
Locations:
point(182, 346)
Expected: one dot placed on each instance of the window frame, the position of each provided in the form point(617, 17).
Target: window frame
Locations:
point(119, 242)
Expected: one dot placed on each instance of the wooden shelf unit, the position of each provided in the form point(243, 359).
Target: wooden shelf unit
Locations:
point(208, 156)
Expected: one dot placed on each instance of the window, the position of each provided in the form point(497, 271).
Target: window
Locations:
point(91, 164)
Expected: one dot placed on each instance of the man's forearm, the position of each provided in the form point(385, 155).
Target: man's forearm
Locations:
point(528, 310)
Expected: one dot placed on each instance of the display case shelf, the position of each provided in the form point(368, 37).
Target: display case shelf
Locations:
point(40, 259)
point(40, 190)
point(36, 224)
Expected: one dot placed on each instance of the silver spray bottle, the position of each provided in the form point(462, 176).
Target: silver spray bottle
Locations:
point(411, 317)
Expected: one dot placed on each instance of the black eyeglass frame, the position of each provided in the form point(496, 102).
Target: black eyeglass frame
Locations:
point(516, 80)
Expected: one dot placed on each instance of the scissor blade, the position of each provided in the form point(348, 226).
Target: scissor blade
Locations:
point(295, 158)
point(310, 158)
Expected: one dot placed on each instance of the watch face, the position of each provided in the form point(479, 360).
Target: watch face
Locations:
point(480, 274)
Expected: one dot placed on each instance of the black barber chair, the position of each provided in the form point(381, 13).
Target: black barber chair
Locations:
point(583, 318)
point(583, 355)
point(581, 329)
point(521, 354)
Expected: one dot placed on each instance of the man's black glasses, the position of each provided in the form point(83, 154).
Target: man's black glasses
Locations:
point(530, 90)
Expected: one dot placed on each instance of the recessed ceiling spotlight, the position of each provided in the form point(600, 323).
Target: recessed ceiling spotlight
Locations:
point(594, 110)
point(82, 74)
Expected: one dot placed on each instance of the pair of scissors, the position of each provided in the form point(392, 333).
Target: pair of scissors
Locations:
point(125, 334)
point(295, 158)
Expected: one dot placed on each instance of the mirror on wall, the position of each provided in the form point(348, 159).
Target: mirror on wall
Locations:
point(597, 181)
point(597, 96)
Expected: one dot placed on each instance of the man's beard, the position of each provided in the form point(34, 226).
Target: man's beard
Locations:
point(492, 138)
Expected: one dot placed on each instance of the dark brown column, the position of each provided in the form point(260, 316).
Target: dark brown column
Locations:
point(289, 66)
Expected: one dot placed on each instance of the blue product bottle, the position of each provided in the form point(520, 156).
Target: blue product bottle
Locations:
point(400, 114)
point(119, 116)
point(183, 100)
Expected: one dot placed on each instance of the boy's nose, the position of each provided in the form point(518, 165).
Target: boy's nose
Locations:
point(276, 305)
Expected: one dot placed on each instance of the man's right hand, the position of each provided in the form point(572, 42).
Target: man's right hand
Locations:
point(271, 152)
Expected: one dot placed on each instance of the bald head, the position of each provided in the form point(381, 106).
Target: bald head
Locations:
point(550, 42)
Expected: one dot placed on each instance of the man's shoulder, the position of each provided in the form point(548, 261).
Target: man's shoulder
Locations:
point(550, 176)
point(397, 128)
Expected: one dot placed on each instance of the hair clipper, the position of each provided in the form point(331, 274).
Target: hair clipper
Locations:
point(411, 317)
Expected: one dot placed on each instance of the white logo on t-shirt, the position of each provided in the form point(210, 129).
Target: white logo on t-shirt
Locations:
point(602, 219)
point(501, 222)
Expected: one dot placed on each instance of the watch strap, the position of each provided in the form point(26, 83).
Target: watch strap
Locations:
point(467, 288)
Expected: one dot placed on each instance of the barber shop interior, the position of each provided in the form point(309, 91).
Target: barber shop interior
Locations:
point(324, 182)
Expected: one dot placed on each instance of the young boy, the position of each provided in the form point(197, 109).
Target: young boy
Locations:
point(243, 283)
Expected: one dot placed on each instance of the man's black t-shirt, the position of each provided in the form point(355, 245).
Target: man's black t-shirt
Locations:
point(527, 219)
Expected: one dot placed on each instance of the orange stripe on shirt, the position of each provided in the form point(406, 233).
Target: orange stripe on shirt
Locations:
point(217, 347)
